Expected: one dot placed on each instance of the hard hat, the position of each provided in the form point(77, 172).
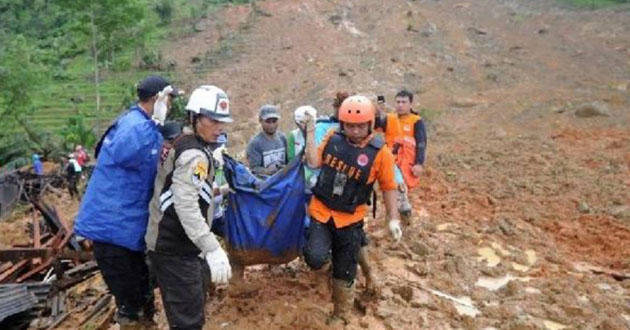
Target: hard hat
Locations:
point(357, 109)
point(299, 115)
point(211, 102)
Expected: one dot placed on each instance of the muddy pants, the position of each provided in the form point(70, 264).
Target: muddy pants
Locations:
point(181, 282)
point(342, 244)
point(127, 276)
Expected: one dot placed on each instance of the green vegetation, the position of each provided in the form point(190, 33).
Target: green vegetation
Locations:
point(68, 67)
point(596, 4)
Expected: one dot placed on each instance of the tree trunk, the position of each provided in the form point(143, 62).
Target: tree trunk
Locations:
point(95, 55)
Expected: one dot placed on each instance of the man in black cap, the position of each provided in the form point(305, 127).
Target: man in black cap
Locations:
point(267, 151)
point(115, 209)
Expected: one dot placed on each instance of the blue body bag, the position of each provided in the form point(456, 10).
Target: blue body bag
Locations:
point(265, 219)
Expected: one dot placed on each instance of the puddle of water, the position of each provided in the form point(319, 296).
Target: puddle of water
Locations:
point(488, 254)
point(551, 325)
point(494, 284)
point(463, 305)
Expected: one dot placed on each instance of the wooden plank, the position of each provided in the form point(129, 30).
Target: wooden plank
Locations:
point(49, 261)
point(58, 321)
point(98, 307)
point(19, 254)
point(19, 266)
point(5, 266)
point(36, 236)
point(107, 319)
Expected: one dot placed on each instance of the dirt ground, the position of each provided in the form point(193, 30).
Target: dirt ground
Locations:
point(523, 212)
point(522, 196)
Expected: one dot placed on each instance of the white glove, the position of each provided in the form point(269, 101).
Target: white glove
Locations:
point(160, 107)
point(217, 154)
point(395, 230)
point(220, 269)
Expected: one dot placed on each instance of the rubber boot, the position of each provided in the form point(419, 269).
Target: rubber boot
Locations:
point(404, 207)
point(343, 300)
point(366, 269)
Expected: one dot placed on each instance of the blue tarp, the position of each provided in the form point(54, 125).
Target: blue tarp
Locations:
point(265, 219)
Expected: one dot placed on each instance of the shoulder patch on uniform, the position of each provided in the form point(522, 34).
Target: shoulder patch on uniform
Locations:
point(200, 173)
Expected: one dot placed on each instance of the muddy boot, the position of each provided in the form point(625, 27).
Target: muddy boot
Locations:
point(238, 273)
point(404, 207)
point(343, 300)
point(366, 269)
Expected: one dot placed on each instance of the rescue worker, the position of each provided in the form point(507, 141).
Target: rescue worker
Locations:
point(178, 236)
point(322, 127)
point(351, 160)
point(115, 208)
point(405, 135)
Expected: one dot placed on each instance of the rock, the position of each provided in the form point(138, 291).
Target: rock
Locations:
point(477, 30)
point(335, 19)
point(385, 311)
point(428, 30)
point(420, 299)
point(583, 207)
point(592, 109)
point(200, 26)
point(621, 212)
point(406, 292)
point(420, 249)
point(507, 227)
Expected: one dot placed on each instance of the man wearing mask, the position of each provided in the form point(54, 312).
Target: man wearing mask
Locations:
point(115, 208)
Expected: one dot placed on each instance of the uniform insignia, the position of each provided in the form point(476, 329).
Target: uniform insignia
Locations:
point(200, 173)
point(362, 160)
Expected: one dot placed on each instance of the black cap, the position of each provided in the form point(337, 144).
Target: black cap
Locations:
point(152, 85)
point(171, 130)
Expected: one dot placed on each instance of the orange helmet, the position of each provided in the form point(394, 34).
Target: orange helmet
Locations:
point(357, 109)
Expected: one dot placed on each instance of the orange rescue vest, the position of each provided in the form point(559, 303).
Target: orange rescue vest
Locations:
point(400, 138)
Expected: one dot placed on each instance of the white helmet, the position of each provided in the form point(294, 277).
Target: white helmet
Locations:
point(299, 115)
point(210, 101)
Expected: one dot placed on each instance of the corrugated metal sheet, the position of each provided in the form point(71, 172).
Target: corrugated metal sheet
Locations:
point(20, 297)
point(15, 299)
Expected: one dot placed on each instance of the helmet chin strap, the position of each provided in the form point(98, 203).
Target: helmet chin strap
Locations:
point(342, 130)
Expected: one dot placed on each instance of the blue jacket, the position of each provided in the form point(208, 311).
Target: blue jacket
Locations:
point(115, 207)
